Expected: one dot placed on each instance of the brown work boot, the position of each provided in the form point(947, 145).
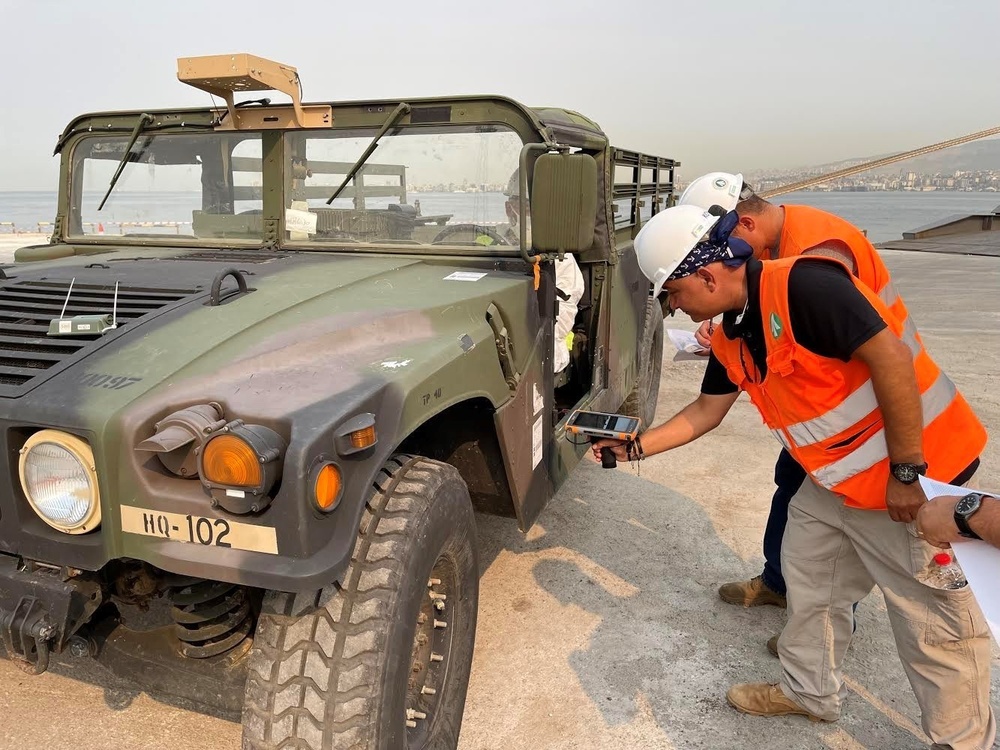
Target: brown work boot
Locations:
point(772, 644)
point(752, 593)
point(761, 699)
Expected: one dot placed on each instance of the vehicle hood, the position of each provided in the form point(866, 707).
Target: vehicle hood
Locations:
point(310, 324)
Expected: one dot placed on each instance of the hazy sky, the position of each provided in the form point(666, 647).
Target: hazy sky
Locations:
point(717, 85)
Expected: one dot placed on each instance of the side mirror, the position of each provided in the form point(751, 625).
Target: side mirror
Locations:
point(563, 203)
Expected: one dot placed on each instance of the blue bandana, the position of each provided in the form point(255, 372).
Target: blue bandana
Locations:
point(720, 246)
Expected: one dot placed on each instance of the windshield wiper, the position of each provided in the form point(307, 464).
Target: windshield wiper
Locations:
point(144, 120)
point(401, 110)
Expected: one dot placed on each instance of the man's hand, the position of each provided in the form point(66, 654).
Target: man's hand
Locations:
point(936, 522)
point(704, 336)
point(903, 500)
point(617, 447)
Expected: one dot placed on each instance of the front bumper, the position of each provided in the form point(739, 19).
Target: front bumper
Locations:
point(40, 609)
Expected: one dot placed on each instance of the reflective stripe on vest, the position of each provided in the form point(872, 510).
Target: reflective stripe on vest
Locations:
point(780, 437)
point(855, 407)
point(845, 415)
point(909, 336)
point(935, 400)
point(888, 294)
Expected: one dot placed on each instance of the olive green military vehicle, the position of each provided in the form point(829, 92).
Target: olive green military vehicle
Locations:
point(270, 363)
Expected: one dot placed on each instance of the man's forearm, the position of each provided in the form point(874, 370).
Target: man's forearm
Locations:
point(895, 383)
point(986, 521)
point(690, 423)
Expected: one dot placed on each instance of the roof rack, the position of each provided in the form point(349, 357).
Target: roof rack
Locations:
point(224, 75)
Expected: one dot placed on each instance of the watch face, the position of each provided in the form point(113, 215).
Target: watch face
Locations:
point(905, 473)
point(968, 504)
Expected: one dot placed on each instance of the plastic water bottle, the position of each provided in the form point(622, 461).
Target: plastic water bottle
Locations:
point(943, 572)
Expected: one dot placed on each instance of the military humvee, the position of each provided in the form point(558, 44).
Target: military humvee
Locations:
point(273, 358)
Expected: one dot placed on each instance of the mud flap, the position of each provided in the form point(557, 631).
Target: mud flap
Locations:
point(525, 423)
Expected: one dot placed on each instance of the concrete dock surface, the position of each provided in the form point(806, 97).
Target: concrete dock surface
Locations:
point(601, 627)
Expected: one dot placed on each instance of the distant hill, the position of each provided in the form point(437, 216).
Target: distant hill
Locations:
point(978, 155)
point(970, 157)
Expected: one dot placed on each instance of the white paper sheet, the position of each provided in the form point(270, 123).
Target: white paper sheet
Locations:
point(686, 344)
point(980, 561)
point(302, 222)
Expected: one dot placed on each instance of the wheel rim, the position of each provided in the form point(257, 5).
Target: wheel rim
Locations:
point(431, 654)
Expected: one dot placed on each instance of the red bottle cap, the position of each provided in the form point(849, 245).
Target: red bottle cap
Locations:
point(942, 558)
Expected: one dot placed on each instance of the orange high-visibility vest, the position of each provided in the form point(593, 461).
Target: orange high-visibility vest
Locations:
point(805, 228)
point(824, 411)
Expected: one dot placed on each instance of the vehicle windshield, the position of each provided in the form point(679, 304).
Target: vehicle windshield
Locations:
point(422, 186)
point(189, 186)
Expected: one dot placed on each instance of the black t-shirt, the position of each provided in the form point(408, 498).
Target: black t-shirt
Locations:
point(829, 317)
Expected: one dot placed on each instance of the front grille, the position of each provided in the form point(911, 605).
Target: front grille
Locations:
point(27, 307)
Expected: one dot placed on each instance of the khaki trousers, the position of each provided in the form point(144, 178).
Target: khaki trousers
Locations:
point(831, 556)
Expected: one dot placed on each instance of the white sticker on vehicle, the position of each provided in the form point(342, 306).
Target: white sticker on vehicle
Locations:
point(395, 364)
point(536, 443)
point(464, 276)
point(208, 532)
point(300, 221)
point(65, 326)
point(536, 398)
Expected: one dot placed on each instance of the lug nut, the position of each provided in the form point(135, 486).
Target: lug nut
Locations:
point(436, 596)
point(433, 582)
point(436, 657)
point(411, 714)
point(440, 624)
point(411, 724)
point(439, 606)
point(427, 691)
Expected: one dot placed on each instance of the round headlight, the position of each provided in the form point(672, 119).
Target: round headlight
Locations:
point(59, 479)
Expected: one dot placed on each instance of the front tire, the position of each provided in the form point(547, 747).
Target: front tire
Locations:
point(382, 660)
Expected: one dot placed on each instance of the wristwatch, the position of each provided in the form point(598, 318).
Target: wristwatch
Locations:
point(907, 473)
point(964, 510)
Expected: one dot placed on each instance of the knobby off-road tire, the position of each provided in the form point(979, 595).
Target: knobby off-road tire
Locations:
point(642, 401)
point(338, 670)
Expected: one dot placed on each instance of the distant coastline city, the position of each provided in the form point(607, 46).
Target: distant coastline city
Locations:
point(979, 181)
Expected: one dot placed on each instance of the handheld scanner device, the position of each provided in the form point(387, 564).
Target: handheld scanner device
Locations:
point(596, 425)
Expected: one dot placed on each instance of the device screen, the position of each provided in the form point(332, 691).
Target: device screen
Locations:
point(610, 422)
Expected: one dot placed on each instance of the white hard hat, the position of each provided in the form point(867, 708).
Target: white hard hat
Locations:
point(715, 189)
point(666, 239)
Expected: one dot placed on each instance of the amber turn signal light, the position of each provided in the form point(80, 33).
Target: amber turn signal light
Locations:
point(326, 488)
point(356, 435)
point(363, 438)
point(240, 464)
point(230, 461)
